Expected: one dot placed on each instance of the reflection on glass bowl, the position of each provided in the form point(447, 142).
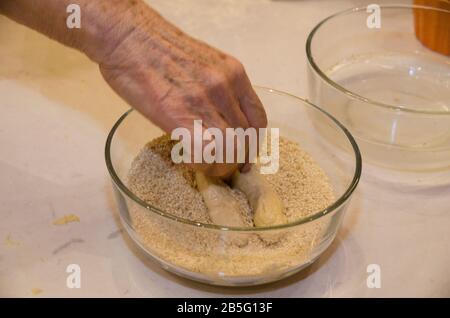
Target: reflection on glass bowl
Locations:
point(297, 120)
point(384, 85)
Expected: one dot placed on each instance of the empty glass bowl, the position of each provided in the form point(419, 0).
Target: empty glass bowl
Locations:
point(384, 84)
point(202, 252)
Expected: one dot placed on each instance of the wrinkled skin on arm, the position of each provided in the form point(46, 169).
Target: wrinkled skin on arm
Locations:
point(168, 76)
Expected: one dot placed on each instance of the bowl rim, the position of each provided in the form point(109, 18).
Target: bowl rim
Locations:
point(351, 94)
point(332, 207)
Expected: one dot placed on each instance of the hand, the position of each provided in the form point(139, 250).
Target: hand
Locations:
point(173, 79)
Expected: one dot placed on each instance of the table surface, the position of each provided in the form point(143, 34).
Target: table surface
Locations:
point(56, 112)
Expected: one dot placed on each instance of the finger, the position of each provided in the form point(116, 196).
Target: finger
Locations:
point(200, 108)
point(223, 96)
point(231, 109)
point(253, 109)
point(249, 102)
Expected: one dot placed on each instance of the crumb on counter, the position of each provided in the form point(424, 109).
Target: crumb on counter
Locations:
point(10, 242)
point(69, 218)
point(36, 291)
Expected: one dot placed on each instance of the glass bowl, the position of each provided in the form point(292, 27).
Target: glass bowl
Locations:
point(297, 120)
point(384, 85)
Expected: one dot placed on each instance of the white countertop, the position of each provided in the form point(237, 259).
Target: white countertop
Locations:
point(56, 112)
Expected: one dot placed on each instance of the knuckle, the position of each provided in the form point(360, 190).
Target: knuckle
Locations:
point(235, 66)
point(216, 79)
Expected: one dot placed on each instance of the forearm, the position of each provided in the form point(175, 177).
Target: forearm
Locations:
point(104, 23)
point(170, 77)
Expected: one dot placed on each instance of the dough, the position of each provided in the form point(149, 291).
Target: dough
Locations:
point(222, 206)
point(265, 203)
